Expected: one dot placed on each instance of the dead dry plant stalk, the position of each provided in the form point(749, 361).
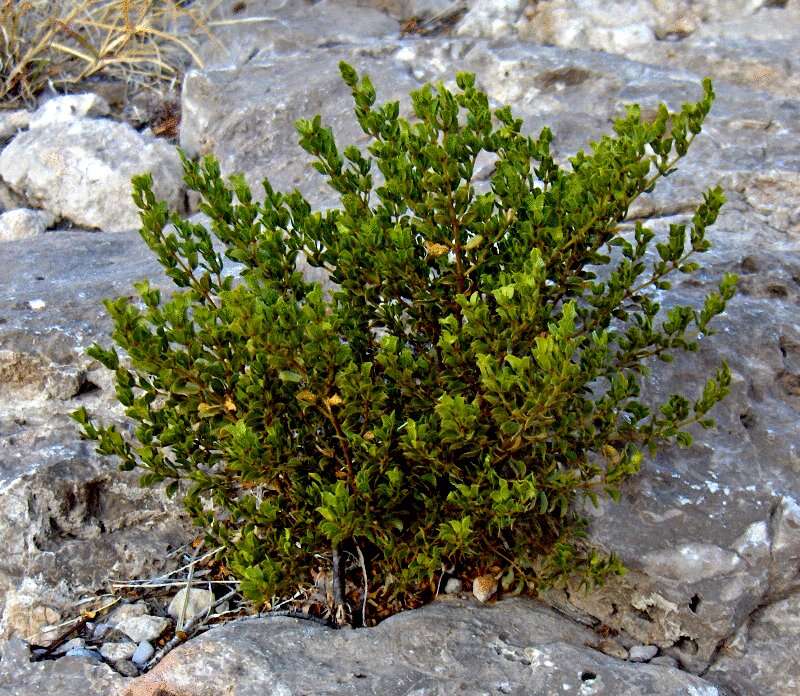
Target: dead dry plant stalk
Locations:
point(62, 42)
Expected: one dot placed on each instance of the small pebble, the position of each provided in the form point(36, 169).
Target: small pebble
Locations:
point(642, 653)
point(100, 630)
point(127, 611)
point(139, 628)
point(613, 649)
point(117, 651)
point(126, 668)
point(70, 645)
point(453, 586)
point(665, 661)
point(483, 587)
point(143, 653)
point(199, 603)
point(84, 652)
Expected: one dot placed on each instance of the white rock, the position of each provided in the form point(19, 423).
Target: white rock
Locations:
point(68, 108)
point(141, 628)
point(26, 613)
point(143, 653)
point(126, 611)
point(491, 18)
point(200, 602)
point(118, 651)
point(642, 653)
point(82, 171)
point(453, 586)
point(11, 122)
point(24, 222)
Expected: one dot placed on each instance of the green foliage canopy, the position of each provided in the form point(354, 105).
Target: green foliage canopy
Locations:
point(475, 373)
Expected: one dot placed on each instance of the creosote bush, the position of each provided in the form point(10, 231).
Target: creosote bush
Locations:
point(476, 373)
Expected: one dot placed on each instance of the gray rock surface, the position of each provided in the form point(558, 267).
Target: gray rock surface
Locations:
point(81, 171)
point(245, 115)
point(70, 520)
point(73, 675)
point(516, 646)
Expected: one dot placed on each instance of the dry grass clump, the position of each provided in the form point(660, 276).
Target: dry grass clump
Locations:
point(62, 42)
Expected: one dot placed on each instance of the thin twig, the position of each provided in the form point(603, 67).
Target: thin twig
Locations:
point(243, 20)
point(187, 591)
point(145, 584)
point(366, 586)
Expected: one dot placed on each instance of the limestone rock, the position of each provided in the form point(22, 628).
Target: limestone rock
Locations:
point(28, 615)
point(11, 122)
point(246, 115)
point(23, 222)
point(453, 586)
point(58, 110)
point(74, 644)
point(452, 645)
point(144, 651)
point(117, 651)
point(747, 43)
point(81, 171)
point(197, 603)
point(490, 18)
point(143, 628)
point(763, 652)
point(70, 521)
point(642, 653)
point(612, 648)
point(126, 611)
point(265, 28)
point(67, 676)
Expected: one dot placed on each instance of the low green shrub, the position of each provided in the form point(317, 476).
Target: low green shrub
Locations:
point(475, 374)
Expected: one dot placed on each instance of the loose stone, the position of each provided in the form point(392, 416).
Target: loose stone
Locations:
point(140, 628)
point(613, 649)
point(73, 644)
point(483, 587)
point(117, 651)
point(84, 652)
point(144, 651)
point(453, 586)
point(126, 668)
point(199, 602)
point(642, 653)
point(665, 661)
